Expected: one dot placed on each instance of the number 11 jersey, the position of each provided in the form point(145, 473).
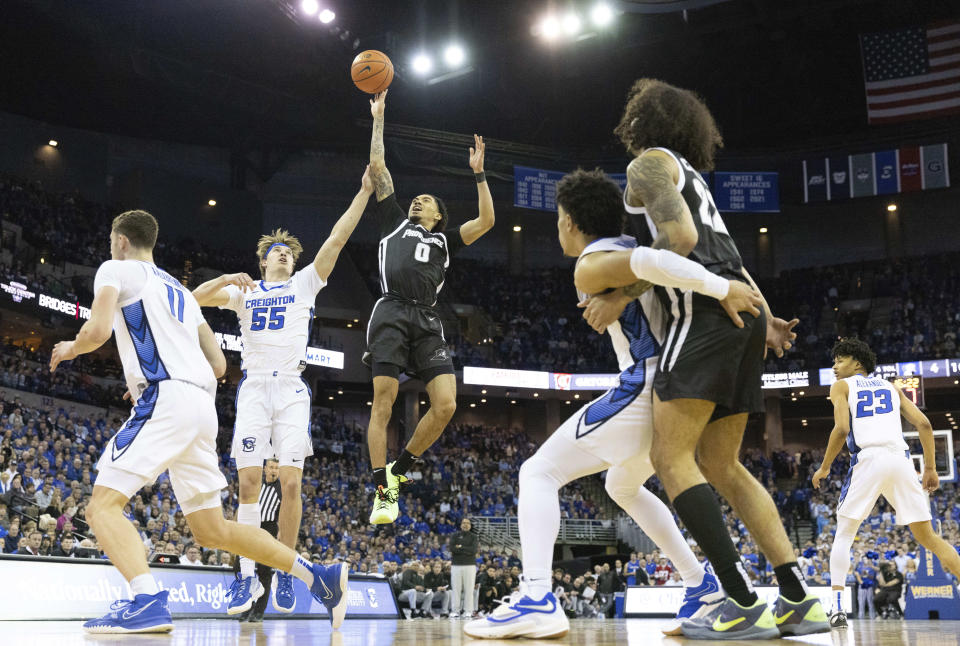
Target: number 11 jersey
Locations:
point(275, 320)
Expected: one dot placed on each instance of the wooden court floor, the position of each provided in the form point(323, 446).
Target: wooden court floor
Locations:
point(630, 632)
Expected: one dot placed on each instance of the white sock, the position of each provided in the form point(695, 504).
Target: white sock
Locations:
point(840, 552)
point(144, 584)
point(248, 514)
point(538, 513)
point(303, 570)
point(656, 521)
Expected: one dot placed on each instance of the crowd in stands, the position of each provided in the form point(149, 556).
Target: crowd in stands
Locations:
point(905, 309)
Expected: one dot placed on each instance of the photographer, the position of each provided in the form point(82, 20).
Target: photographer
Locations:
point(889, 588)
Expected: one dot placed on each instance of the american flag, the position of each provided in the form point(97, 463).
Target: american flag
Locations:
point(912, 73)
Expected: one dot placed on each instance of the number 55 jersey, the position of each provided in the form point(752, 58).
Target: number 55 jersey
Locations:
point(273, 401)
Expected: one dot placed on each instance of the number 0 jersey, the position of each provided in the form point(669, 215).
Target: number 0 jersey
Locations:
point(156, 325)
point(874, 415)
point(275, 320)
point(413, 260)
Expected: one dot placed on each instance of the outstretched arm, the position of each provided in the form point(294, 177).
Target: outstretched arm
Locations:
point(382, 181)
point(839, 392)
point(476, 227)
point(327, 256)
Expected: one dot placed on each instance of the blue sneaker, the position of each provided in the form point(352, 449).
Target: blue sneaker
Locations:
point(521, 616)
point(697, 602)
point(146, 613)
point(242, 594)
point(330, 588)
point(284, 599)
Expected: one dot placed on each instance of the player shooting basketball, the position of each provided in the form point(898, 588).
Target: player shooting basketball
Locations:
point(405, 332)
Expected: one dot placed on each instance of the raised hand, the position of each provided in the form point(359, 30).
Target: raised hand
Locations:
point(241, 280)
point(476, 154)
point(366, 182)
point(378, 103)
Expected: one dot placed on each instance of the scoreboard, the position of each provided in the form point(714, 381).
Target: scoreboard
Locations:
point(912, 387)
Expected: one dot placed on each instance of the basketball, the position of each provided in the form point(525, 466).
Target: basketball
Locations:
point(372, 71)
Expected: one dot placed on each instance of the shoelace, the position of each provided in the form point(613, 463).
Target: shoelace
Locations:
point(119, 606)
point(284, 584)
point(238, 586)
point(385, 496)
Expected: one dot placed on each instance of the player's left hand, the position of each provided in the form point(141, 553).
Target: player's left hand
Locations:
point(931, 481)
point(63, 351)
point(780, 335)
point(476, 154)
point(818, 477)
point(366, 183)
point(603, 309)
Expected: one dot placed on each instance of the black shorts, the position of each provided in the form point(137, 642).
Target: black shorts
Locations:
point(409, 337)
point(705, 356)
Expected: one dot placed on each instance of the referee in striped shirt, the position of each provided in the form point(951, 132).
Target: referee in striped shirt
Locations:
point(270, 494)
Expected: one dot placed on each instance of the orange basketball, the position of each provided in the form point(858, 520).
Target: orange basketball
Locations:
point(372, 71)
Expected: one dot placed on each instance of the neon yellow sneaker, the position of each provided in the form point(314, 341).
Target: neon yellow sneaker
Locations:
point(386, 508)
point(801, 618)
point(730, 620)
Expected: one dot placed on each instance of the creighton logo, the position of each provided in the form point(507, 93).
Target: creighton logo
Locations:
point(249, 444)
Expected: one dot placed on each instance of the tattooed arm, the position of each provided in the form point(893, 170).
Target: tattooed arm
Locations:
point(382, 181)
point(651, 183)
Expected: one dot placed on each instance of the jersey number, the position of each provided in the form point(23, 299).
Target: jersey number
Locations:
point(865, 404)
point(260, 318)
point(712, 220)
point(422, 252)
point(176, 309)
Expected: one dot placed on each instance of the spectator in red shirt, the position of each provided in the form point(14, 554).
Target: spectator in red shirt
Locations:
point(662, 574)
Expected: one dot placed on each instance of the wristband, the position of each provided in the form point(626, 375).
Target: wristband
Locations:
point(480, 177)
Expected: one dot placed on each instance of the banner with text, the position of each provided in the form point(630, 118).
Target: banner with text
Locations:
point(67, 589)
point(885, 172)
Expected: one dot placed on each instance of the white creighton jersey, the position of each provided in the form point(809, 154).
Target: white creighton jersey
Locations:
point(638, 333)
point(156, 325)
point(874, 415)
point(275, 321)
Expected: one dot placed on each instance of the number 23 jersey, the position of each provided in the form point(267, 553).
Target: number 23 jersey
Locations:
point(874, 415)
point(275, 320)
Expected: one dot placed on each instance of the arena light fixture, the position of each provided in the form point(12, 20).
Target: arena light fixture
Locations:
point(330, 397)
point(473, 405)
point(891, 207)
point(310, 7)
point(211, 202)
point(516, 228)
point(339, 391)
point(369, 403)
point(763, 229)
point(550, 27)
point(422, 64)
point(571, 24)
point(601, 14)
point(53, 142)
point(513, 401)
point(483, 392)
point(538, 394)
point(423, 403)
point(327, 16)
point(454, 55)
point(483, 401)
point(349, 324)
